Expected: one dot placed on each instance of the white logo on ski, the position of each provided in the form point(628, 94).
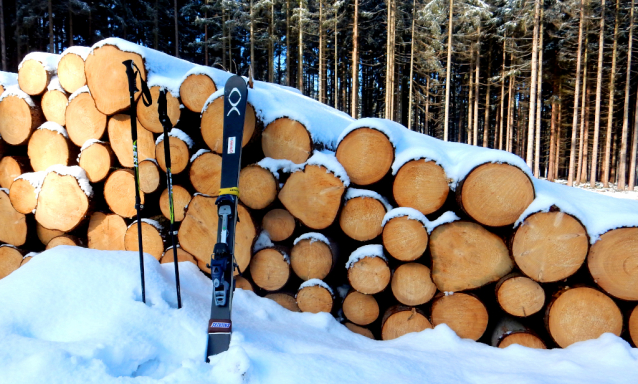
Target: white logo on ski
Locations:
point(234, 105)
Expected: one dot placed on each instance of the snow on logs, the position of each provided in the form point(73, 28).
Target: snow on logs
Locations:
point(315, 296)
point(421, 185)
point(7, 79)
point(19, 116)
point(35, 72)
point(366, 153)
point(195, 89)
point(24, 191)
point(258, 187)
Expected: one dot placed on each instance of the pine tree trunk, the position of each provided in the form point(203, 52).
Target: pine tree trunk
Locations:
point(271, 45)
point(156, 26)
point(224, 39)
point(584, 104)
point(599, 85)
point(448, 73)
point(252, 40)
point(539, 95)
point(470, 103)
point(288, 53)
point(390, 49)
point(355, 61)
point(634, 148)
point(558, 129)
point(476, 89)
point(572, 155)
point(583, 176)
point(510, 111)
point(412, 69)
point(610, 113)
point(300, 58)
point(551, 172)
point(176, 28)
point(3, 46)
point(486, 122)
point(322, 74)
point(532, 95)
point(625, 121)
point(336, 70)
point(427, 106)
point(501, 111)
point(51, 44)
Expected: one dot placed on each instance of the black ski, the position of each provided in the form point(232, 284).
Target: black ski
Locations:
point(222, 261)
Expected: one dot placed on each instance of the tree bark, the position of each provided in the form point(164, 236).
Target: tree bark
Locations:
point(551, 172)
point(585, 140)
point(412, 69)
point(271, 45)
point(288, 53)
point(300, 58)
point(532, 94)
point(539, 94)
point(572, 154)
point(476, 89)
point(336, 70)
point(252, 41)
point(510, 111)
point(585, 100)
point(610, 111)
point(470, 103)
point(448, 73)
point(176, 28)
point(599, 85)
point(51, 44)
point(3, 45)
point(322, 68)
point(390, 49)
point(355, 61)
point(486, 121)
point(625, 121)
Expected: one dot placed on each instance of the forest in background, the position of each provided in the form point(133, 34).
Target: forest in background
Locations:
point(551, 81)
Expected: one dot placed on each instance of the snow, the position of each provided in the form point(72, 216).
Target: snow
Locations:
point(161, 69)
point(87, 144)
point(8, 79)
point(84, 89)
point(316, 282)
point(5, 190)
point(154, 223)
point(179, 134)
point(276, 165)
point(413, 214)
point(216, 95)
point(31, 254)
point(7, 245)
point(330, 162)
point(14, 90)
point(54, 85)
point(55, 127)
point(49, 61)
point(263, 241)
point(445, 218)
point(381, 125)
point(351, 193)
point(371, 250)
point(35, 179)
point(198, 154)
point(75, 171)
point(75, 316)
point(313, 236)
point(83, 52)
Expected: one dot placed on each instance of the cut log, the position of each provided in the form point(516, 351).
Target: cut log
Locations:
point(54, 102)
point(48, 146)
point(149, 176)
point(205, 173)
point(152, 240)
point(257, 186)
point(580, 314)
point(71, 68)
point(119, 128)
point(360, 308)
point(313, 196)
point(149, 116)
point(198, 232)
point(119, 193)
point(613, 263)
point(12, 167)
point(180, 151)
point(97, 159)
point(509, 331)
point(243, 283)
point(467, 256)
point(412, 284)
point(106, 232)
point(369, 275)
point(19, 116)
point(405, 239)
point(68, 240)
point(286, 300)
point(64, 201)
point(13, 224)
point(550, 246)
point(181, 198)
point(45, 235)
point(195, 90)
point(519, 296)
point(168, 256)
point(35, 72)
point(361, 217)
point(463, 313)
point(212, 125)
point(279, 224)
point(400, 320)
point(633, 326)
point(366, 154)
point(23, 192)
point(287, 139)
point(360, 330)
point(107, 80)
point(203, 266)
point(10, 260)
point(311, 259)
point(314, 299)
point(421, 185)
point(83, 120)
point(270, 269)
point(495, 194)
point(26, 259)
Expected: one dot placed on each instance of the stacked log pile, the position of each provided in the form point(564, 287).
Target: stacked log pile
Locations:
point(388, 239)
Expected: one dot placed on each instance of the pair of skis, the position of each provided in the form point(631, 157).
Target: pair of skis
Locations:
point(222, 262)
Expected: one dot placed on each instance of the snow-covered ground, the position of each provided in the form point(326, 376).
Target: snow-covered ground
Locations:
point(74, 315)
point(611, 191)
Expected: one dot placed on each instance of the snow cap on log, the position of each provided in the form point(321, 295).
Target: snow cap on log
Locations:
point(263, 241)
point(177, 133)
point(315, 282)
point(313, 236)
point(78, 50)
point(8, 79)
point(14, 90)
point(75, 171)
point(371, 250)
point(351, 193)
point(413, 214)
point(55, 127)
point(49, 61)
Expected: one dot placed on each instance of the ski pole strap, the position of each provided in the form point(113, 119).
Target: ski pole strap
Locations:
point(229, 191)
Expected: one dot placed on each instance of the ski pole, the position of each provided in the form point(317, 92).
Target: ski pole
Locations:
point(166, 124)
point(131, 72)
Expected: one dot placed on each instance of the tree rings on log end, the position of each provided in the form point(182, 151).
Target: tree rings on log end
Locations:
point(520, 296)
point(84, 121)
point(525, 339)
point(287, 139)
point(400, 320)
point(314, 299)
point(119, 128)
point(45, 235)
point(421, 185)
point(71, 72)
point(412, 284)
point(360, 308)
point(313, 196)
point(286, 300)
point(633, 326)
point(10, 168)
point(269, 269)
point(279, 224)
point(47, 148)
point(243, 283)
point(180, 155)
point(106, 232)
point(168, 256)
point(119, 193)
point(195, 90)
point(369, 275)
point(405, 239)
point(613, 263)
point(13, 224)
point(212, 125)
point(107, 80)
point(152, 241)
point(149, 116)
point(359, 330)
point(464, 314)
point(54, 104)
point(62, 204)
point(33, 78)
point(495, 194)
point(18, 120)
point(149, 176)
point(361, 218)
point(97, 161)
point(466, 256)
point(580, 314)
point(22, 196)
point(366, 154)
point(257, 187)
point(10, 260)
point(311, 259)
point(67, 240)
point(205, 173)
point(181, 198)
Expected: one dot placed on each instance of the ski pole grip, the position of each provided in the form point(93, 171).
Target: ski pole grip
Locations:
point(130, 74)
point(161, 104)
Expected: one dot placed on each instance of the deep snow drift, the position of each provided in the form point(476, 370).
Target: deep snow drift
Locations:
point(74, 315)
